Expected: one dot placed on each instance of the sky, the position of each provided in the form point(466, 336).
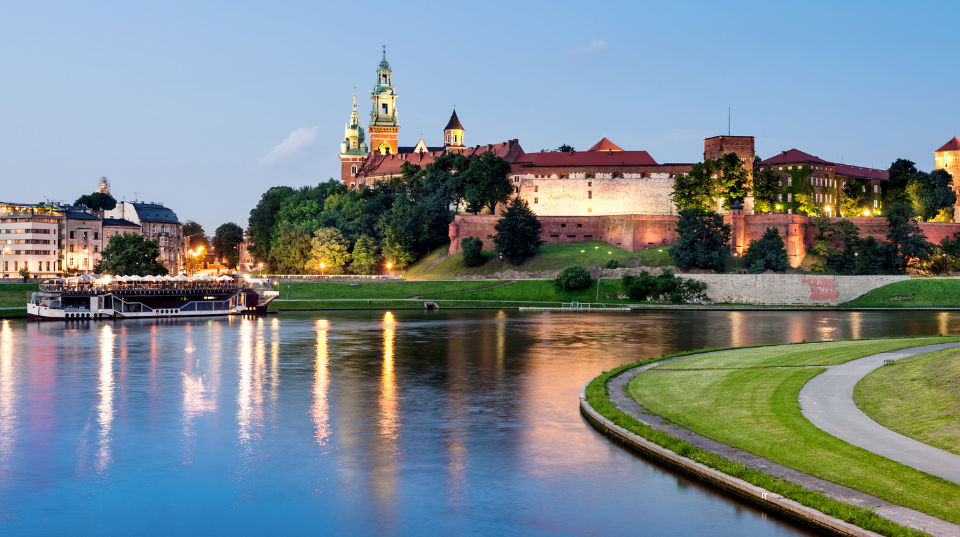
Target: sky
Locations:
point(203, 106)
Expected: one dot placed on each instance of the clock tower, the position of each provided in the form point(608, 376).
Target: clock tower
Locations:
point(384, 126)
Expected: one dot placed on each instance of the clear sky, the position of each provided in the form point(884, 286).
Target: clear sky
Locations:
point(205, 105)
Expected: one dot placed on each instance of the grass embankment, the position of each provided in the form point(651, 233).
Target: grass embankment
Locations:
point(487, 293)
point(15, 295)
point(917, 397)
point(748, 399)
point(551, 257)
point(913, 293)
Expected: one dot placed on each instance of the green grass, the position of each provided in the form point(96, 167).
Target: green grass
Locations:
point(920, 292)
point(597, 395)
point(16, 294)
point(917, 397)
point(551, 257)
point(367, 290)
point(737, 398)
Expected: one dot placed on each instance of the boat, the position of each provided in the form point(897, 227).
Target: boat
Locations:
point(91, 297)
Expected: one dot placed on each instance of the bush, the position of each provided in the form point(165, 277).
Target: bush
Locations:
point(701, 240)
point(768, 253)
point(472, 251)
point(612, 264)
point(663, 288)
point(573, 278)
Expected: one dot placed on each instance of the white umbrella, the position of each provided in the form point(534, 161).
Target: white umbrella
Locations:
point(224, 278)
point(181, 278)
point(150, 278)
point(134, 278)
point(166, 277)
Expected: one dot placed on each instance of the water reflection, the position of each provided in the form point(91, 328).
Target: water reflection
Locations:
point(250, 391)
point(388, 386)
point(105, 407)
point(321, 380)
point(8, 391)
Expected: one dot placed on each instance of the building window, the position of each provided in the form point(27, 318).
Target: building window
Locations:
point(353, 170)
point(589, 183)
point(563, 225)
point(874, 204)
point(789, 197)
point(517, 189)
point(780, 197)
point(876, 189)
point(71, 235)
point(589, 194)
point(535, 200)
point(96, 248)
point(96, 235)
point(48, 266)
point(71, 247)
point(384, 109)
point(789, 181)
point(536, 188)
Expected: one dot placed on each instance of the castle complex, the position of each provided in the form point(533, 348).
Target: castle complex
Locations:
point(582, 188)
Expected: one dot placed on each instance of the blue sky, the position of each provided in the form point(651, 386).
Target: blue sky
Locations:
point(187, 102)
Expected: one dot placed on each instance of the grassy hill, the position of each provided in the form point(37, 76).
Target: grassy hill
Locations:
point(913, 293)
point(551, 257)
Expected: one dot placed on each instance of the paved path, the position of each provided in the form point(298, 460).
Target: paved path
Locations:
point(827, 401)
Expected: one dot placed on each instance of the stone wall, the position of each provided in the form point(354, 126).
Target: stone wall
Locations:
point(598, 196)
point(789, 289)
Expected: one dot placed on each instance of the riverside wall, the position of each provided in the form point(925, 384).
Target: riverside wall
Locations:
point(633, 232)
point(789, 289)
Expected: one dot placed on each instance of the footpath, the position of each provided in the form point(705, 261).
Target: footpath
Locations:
point(901, 515)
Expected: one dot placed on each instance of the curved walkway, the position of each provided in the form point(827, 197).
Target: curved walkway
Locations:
point(827, 402)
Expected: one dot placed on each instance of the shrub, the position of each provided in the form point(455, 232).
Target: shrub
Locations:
point(663, 288)
point(573, 278)
point(472, 251)
point(612, 264)
point(701, 240)
point(768, 252)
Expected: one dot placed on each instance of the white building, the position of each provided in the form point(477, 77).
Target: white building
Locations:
point(156, 223)
point(30, 237)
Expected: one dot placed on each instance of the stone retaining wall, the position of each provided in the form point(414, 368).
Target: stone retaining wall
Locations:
point(790, 289)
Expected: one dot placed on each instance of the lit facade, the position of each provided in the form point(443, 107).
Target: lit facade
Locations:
point(30, 238)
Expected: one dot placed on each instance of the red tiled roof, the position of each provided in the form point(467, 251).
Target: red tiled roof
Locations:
point(588, 158)
point(952, 145)
point(385, 165)
point(860, 172)
point(605, 145)
point(794, 156)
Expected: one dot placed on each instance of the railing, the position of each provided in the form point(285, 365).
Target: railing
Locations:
point(311, 277)
point(171, 287)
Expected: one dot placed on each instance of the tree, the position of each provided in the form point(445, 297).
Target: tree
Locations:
point(731, 183)
point(398, 247)
point(931, 193)
point(899, 177)
point(472, 251)
point(262, 221)
point(98, 201)
point(130, 254)
point(197, 236)
point(365, 256)
point(768, 253)
point(844, 258)
point(518, 232)
point(573, 278)
point(701, 240)
point(766, 186)
point(873, 256)
point(292, 254)
point(856, 201)
point(694, 190)
point(226, 239)
point(331, 249)
point(486, 182)
point(908, 244)
point(25, 273)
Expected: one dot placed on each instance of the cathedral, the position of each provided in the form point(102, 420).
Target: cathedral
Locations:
point(363, 163)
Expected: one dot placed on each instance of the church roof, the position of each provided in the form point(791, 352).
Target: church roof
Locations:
point(389, 165)
point(794, 156)
point(454, 123)
point(605, 145)
point(588, 158)
point(952, 145)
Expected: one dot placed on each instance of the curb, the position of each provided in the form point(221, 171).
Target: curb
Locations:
point(732, 485)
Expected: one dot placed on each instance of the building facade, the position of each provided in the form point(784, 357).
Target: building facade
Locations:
point(156, 223)
point(30, 238)
point(84, 240)
point(948, 158)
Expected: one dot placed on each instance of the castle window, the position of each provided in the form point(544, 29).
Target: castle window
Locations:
point(518, 190)
point(579, 225)
point(589, 194)
point(563, 225)
point(535, 200)
point(353, 170)
point(589, 183)
point(536, 188)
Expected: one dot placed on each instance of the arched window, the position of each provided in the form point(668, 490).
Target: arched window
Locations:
point(617, 175)
point(353, 170)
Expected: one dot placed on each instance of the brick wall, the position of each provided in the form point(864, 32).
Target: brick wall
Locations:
point(790, 289)
point(562, 197)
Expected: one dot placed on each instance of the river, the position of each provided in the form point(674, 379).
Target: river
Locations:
point(366, 423)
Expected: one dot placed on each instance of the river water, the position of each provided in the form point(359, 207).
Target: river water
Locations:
point(367, 423)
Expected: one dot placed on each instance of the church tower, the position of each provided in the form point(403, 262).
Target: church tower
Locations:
point(384, 126)
point(353, 149)
point(453, 134)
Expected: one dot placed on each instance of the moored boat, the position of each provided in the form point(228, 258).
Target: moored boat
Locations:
point(117, 297)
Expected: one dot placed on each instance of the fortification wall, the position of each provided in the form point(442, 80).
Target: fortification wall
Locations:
point(789, 289)
point(599, 196)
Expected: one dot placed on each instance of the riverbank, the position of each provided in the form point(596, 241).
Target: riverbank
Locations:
point(757, 391)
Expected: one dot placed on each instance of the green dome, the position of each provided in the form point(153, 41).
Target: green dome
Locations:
point(384, 64)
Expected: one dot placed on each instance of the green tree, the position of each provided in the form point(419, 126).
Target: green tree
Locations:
point(330, 249)
point(98, 201)
point(292, 253)
point(573, 278)
point(262, 221)
point(398, 247)
point(873, 257)
point(931, 193)
point(197, 236)
point(130, 254)
point(472, 251)
point(701, 240)
point(518, 232)
point(908, 244)
point(856, 200)
point(843, 258)
point(766, 186)
point(226, 239)
point(731, 182)
point(695, 190)
point(899, 177)
point(486, 182)
point(768, 253)
point(366, 256)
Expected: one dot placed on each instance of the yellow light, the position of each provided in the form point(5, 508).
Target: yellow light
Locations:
point(596, 247)
point(866, 212)
point(389, 265)
point(659, 250)
point(323, 265)
point(609, 252)
point(581, 251)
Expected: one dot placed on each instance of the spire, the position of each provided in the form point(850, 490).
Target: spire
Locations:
point(453, 132)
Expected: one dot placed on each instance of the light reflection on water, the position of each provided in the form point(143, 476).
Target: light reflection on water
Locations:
point(360, 423)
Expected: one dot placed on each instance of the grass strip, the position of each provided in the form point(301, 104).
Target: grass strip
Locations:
point(918, 397)
point(597, 395)
point(913, 293)
point(14, 295)
point(369, 290)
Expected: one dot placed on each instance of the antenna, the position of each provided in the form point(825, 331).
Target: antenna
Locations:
point(728, 121)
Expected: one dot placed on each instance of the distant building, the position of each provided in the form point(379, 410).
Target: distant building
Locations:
point(84, 240)
point(156, 223)
point(30, 238)
point(948, 158)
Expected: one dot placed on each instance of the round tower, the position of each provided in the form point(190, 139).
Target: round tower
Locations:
point(453, 134)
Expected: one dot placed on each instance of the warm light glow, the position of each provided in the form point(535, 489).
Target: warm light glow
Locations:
point(388, 386)
point(321, 381)
point(581, 251)
point(389, 265)
point(596, 247)
point(323, 265)
point(866, 212)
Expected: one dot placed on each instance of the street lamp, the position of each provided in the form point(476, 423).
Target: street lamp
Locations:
point(322, 266)
point(261, 269)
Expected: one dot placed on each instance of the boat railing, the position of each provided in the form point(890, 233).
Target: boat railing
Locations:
point(164, 287)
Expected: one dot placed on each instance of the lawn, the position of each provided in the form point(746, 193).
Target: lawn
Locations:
point(368, 290)
point(917, 292)
point(16, 294)
point(917, 397)
point(748, 399)
point(551, 257)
